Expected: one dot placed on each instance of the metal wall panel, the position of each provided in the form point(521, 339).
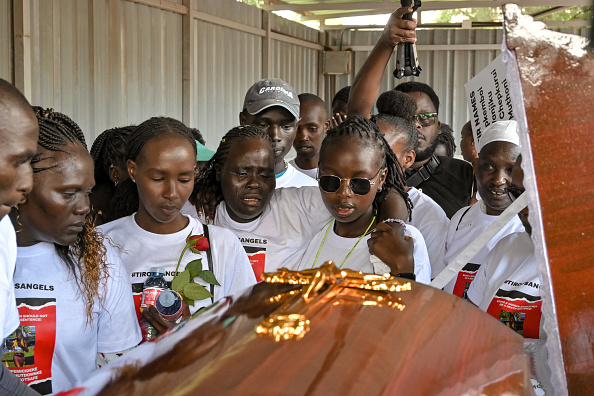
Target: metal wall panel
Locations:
point(105, 63)
point(227, 63)
point(6, 40)
point(283, 25)
point(296, 65)
point(231, 10)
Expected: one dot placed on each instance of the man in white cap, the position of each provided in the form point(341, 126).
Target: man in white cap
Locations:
point(273, 106)
point(498, 150)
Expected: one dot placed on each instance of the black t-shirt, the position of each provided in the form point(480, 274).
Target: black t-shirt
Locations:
point(451, 185)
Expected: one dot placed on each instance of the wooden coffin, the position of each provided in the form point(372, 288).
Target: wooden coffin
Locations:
point(349, 334)
point(556, 73)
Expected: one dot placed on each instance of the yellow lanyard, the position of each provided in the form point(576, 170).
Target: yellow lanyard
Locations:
point(351, 251)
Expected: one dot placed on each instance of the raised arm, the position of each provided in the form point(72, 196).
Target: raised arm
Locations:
point(365, 87)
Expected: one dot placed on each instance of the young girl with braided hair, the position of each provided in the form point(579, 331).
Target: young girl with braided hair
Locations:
point(67, 277)
point(161, 161)
point(274, 225)
point(395, 120)
point(110, 170)
point(357, 170)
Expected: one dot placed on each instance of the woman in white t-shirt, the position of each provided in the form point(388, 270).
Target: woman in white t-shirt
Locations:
point(274, 226)
point(161, 161)
point(357, 170)
point(72, 293)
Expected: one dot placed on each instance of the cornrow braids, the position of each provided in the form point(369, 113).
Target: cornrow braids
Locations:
point(127, 192)
point(207, 182)
point(198, 136)
point(446, 137)
point(108, 149)
point(56, 130)
point(86, 259)
point(359, 127)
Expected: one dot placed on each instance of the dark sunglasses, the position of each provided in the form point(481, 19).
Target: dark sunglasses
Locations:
point(358, 185)
point(513, 193)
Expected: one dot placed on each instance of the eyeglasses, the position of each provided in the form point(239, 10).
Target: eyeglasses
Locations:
point(426, 119)
point(513, 193)
point(358, 185)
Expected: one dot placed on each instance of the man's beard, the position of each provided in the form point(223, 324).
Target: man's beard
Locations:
point(427, 152)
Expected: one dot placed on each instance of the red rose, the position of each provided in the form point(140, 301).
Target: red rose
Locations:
point(198, 243)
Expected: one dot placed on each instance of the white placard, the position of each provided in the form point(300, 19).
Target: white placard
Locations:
point(488, 97)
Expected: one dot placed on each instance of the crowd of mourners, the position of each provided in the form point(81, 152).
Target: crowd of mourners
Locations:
point(373, 191)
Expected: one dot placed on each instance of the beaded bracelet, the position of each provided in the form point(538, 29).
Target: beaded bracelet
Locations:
point(402, 223)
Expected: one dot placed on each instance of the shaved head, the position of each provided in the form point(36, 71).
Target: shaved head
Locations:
point(19, 131)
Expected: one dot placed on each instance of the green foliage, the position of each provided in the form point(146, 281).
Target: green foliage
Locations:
point(569, 14)
point(209, 277)
point(195, 267)
point(182, 279)
point(255, 3)
point(484, 14)
point(493, 14)
point(183, 282)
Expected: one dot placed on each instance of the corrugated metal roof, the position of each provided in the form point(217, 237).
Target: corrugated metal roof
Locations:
point(327, 9)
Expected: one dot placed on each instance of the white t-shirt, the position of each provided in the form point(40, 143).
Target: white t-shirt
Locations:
point(144, 249)
point(280, 235)
point(465, 226)
point(293, 178)
point(507, 285)
point(309, 172)
point(9, 316)
point(63, 345)
point(336, 248)
point(429, 218)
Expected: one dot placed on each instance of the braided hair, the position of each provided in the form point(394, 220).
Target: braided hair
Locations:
point(86, 259)
point(363, 129)
point(198, 136)
point(108, 149)
point(446, 137)
point(125, 200)
point(398, 110)
point(207, 182)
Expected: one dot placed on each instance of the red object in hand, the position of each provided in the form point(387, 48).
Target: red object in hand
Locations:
point(198, 243)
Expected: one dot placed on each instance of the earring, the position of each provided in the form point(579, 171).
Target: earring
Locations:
point(116, 183)
point(133, 181)
point(18, 215)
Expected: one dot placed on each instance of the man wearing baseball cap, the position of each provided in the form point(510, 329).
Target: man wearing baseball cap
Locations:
point(273, 106)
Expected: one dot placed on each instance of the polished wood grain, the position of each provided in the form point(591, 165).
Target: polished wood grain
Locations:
point(558, 87)
point(437, 344)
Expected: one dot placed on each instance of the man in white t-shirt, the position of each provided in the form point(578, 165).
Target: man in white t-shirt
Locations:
point(273, 106)
point(19, 132)
point(310, 132)
point(498, 150)
point(508, 285)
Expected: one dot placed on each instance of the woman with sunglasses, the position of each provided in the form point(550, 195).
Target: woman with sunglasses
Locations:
point(274, 225)
point(357, 170)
